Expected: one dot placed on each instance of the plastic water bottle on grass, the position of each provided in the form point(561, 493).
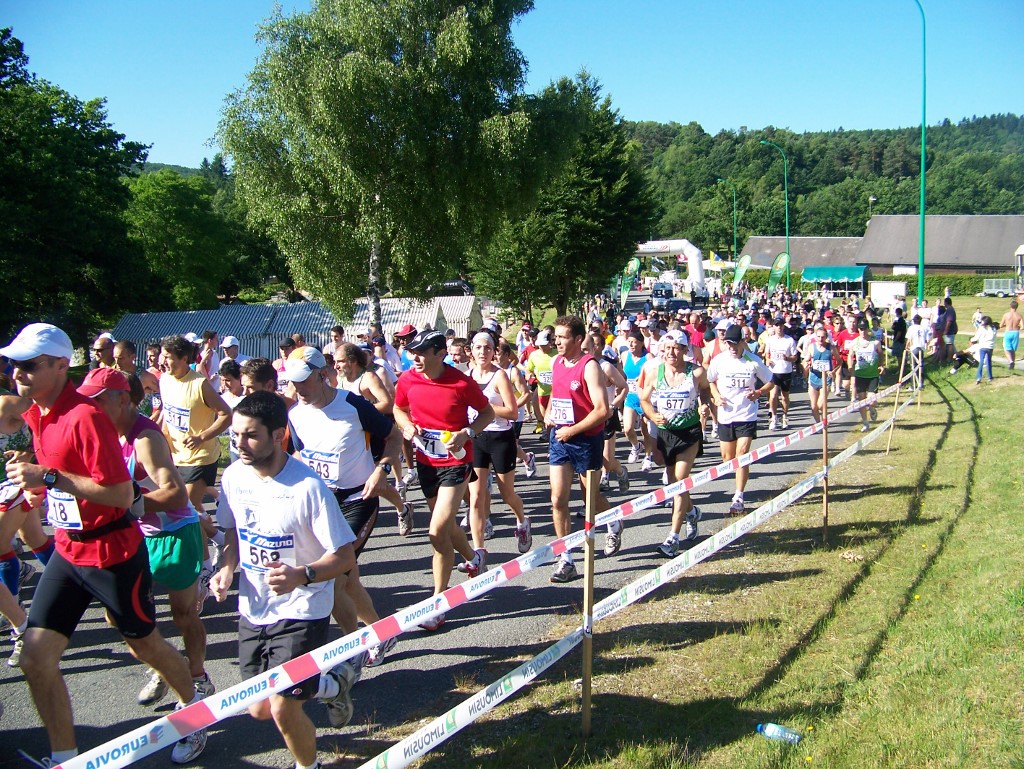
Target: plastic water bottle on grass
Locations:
point(776, 732)
point(446, 436)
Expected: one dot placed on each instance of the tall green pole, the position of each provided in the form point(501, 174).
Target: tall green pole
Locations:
point(924, 123)
point(735, 253)
point(785, 192)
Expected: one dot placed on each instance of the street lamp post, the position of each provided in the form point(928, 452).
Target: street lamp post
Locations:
point(785, 192)
point(871, 201)
point(924, 94)
point(735, 253)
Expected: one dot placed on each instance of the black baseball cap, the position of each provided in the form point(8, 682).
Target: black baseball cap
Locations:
point(427, 340)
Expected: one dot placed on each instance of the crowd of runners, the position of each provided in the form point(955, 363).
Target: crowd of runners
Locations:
point(124, 465)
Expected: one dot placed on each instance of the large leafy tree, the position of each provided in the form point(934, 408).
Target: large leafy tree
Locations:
point(184, 241)
point(585, 225)
point(377, 140)
point(64, 249)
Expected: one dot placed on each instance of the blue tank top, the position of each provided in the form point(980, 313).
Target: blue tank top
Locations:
point(821, 364)
point(631, 368)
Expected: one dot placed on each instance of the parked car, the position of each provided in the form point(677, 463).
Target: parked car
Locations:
point(672, 306)
point(661, 293)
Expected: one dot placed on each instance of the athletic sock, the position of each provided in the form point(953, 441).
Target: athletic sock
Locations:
point(314, 765)
point(218, 538)
point(43, 553)
point(567, 557)
point(10, 568)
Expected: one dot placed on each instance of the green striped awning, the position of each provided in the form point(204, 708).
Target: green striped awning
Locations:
point(833, 274)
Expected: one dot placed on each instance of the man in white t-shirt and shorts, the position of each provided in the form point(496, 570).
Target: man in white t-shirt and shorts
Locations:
point(781, 353)
point(738, 379)
point(283, 527)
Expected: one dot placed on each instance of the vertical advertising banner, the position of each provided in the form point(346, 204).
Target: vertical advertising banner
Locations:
point(741, 270)
point(779, 269)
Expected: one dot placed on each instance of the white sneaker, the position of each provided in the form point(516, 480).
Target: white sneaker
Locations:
point(25, 572)
point(204, 685)
point(531, 464)
point(785, 422)
point(464, 522)
point(771, 422)
point(339, 707)
point(634, 454)
point(648, 464)
point(604, 484)
point(203, 590)
point(475, 567)
point(737, 507)
point(488, 529)
point(669, 548)
point(411, 476)
point(154, 690)
point(865, 427)
point(524, 536)
point(692, 518)
point(714, 431)
point(375, 654)
point(613, 540)
point(405, 519)
point(188, 748)
point(14, 660)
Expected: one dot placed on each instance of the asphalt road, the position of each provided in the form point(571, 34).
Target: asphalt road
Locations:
point(479, 641)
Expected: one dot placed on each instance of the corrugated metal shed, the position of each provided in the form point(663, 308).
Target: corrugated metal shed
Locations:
point(462, 313)
point(395, 313)
point(804, 251)
point(952, 243)
point(311, 319)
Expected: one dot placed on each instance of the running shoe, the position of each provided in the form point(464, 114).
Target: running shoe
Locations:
point(488, 529)
point(737, 507)
point(19, 643)
point(565, 571)
point(339, 707)
point(405, 519)
point(433, 624)
point(604, 484)
point(204, 686)
point(476, 566)
point(538, 429)
point(26, 570)
point(648, 464)
point(634, 454)
point(874, 413)
point(771, 422)
point(669, 548)
point(203, 590)
point(531, 464)
point(524, 536)
point(714, 430)
point(375, 654)
point(613, 540)
point(411, 476)
point(865, 427)
point(402, 488)
point(692, 518)
point(464, 522)
point(785, 421)
point(623, 479)
point(154, 690)
point(188, 748)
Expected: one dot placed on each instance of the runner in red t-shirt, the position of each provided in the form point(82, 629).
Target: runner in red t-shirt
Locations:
point(99, 553)
point(433, 398)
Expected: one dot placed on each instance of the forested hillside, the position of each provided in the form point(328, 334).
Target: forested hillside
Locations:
point(973, 167)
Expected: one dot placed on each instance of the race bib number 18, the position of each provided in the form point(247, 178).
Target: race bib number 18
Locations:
point(63, 511)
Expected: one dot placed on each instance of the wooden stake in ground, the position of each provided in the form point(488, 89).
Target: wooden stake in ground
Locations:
point(896, 402)
point(823, 408)
point(593, 482)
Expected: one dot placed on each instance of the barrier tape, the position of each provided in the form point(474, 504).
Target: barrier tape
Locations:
point(426, 738)
point(165, 731)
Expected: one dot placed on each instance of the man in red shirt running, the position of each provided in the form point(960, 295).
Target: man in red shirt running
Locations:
point(99, 549)
point(432, 399)
point(575, 417)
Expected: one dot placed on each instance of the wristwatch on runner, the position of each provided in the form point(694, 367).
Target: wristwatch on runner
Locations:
point(310, 574)
point(386, 467)
point(470, 432)
point(49, 478)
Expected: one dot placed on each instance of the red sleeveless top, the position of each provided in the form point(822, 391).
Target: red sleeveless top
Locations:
point(570, 400)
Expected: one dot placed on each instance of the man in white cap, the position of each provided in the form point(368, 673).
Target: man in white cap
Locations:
point(99, 550)
point(331, 430)
point(230, 346)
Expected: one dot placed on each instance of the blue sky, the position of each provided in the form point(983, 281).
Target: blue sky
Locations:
point(165, 67)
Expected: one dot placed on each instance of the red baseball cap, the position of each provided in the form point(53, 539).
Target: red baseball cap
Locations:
point(100, 379)
point(407, 330)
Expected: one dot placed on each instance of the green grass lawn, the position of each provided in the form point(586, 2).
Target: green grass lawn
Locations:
point(897, 643)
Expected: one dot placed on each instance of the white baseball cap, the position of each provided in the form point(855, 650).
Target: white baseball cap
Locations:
point(191, 337)
point(229, 341)
point(39, 339)
point(722, 325)
point(300, 369)
point(544, 337)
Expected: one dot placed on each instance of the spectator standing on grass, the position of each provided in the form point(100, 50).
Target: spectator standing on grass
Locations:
point(1011, 325)
point(985, 337)
point(949, 329)
point(899, 335)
